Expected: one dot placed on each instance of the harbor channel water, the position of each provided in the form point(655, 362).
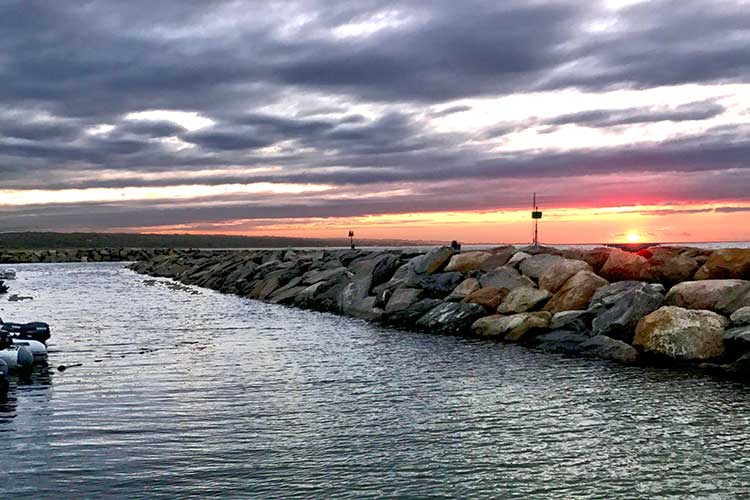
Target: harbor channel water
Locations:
point(185, 392)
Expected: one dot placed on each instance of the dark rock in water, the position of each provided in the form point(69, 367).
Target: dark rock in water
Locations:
point(436, 285)
point(409, 316)
point(316, 275)
point(3, 288)
point(603, 347)
point(451, 318)
point(563, 341)
point(742, 366)
point(617, 308)
point(578, 321)
point(737, 340)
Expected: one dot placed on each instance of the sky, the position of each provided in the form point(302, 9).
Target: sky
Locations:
point(431, 120)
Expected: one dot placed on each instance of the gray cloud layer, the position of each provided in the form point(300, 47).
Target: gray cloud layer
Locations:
point(69, 66)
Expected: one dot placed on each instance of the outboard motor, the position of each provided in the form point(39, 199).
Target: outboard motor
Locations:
point(28, 331)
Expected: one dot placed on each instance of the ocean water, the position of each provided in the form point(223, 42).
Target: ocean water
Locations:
point(188, 393)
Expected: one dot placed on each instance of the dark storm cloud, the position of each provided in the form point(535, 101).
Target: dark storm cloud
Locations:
point(67, 67)
point(612, 117)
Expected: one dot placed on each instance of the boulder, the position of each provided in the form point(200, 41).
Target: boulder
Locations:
point(622, 266)
point(576, 320)
point(737, 339)
point(436, 285)
point(536, 265)
point(727, 263)
point(511, 328)
point(408, 317)
point(741, 316)
point(463, 289)
point(402, 298)
point(517, 258)
point(315, 275)
point(489, 297)
point(681, 334)
point(555, 276)
point(523, 299)
point(433, 261)
point(617, 308)
point(576, 293)
point(305, 298)
point(595, 257)
point(468, 261)
point(287, 295)
point(563, 341)
point(603, 347)
point(669, 266)
point(724, 296)
point(505, 277)
point(451, 318)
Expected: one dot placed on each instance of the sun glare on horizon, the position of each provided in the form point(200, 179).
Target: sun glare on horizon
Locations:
point(633, 237)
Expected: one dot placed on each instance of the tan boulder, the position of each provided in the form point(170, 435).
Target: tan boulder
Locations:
point(558, 273)
point(523, 299)
point(622, 266)
point(595, 257)
point(490, 297)
point(576, 293)
point(517, 258)
point(536, 265)
point(511, 328)
point(681, 334)
point(723, 296)
point(468, 261)
point(726, 263)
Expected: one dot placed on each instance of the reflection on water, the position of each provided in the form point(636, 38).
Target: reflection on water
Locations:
point(189, 393)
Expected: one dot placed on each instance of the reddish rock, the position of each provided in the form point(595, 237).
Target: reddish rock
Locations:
point(668, 265)
point(576, 293)
point(622, 266)
point(489, 297)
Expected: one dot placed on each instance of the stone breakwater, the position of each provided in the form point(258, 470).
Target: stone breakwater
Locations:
point(80, 255)
point(663, 304)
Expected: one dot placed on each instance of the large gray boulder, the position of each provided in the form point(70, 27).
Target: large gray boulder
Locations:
point(617, 308)
point(724, 296)
point(433, 261)
point(681, 334)
point(316, 275)
point(577, 321)
point(603, 347)
point(536, 265)
point(505, 277)
point(402, 298)
point(741, 317)
point(737, 339)
point(408, 317)
point(436, 285)
point(451, 318)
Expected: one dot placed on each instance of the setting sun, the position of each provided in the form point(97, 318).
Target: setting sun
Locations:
point(633, 237)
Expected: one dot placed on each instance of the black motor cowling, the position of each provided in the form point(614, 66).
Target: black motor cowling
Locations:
point(28, 331)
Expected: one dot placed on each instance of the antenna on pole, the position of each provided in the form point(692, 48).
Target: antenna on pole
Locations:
point(351, 239)
point(536, 214)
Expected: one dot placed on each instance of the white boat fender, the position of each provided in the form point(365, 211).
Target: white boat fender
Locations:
point(17, 357)
point(38, 350)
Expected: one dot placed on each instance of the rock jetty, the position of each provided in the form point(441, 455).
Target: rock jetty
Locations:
point(675, 305)
point(81, 255)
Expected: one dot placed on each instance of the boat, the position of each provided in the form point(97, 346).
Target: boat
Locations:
point(17, 357)
point(7, 274)
point(37, 349)
point(3, 287)
point(35, 330)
